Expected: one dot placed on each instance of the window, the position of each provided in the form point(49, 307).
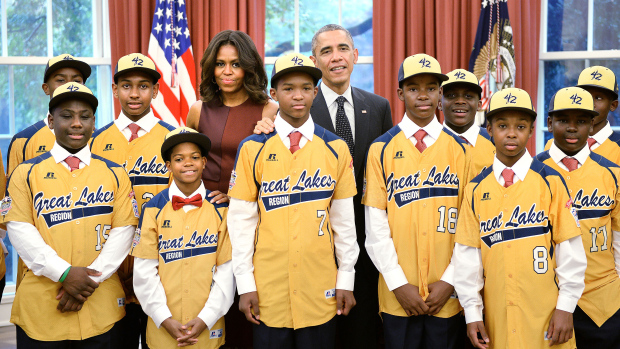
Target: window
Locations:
point(32, 31)
point(290, 25)
point(580, 34)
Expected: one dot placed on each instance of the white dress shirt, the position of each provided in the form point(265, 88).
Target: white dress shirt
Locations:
point(146, 123)
point(150, 291)
point(330, 99)
point(570, 260)
point(557, 155)
point(379, 243)
point(243, 219)
point(471, 135)
point(43, 260)
point(602, 135)
point(409, 128)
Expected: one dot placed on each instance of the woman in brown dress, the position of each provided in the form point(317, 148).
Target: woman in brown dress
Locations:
point(233, 94)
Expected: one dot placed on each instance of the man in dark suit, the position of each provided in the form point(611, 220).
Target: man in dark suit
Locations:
point(366, 117)
point(358, 117)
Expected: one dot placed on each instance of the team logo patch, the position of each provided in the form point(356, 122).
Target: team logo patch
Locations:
point(216, 333)
point(399, 155)
point(486, 196)
point(233, 179)
point(49, 175)
point(108, 147)
point(5, 205)
point(120, 302)
point(272, 157)
point(166, 224)
point(573, 211)
point(330, 293)
point(136, 237)
point(41, 149)
point(134, 205)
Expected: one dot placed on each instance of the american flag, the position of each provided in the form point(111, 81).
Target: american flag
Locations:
point(171, 49)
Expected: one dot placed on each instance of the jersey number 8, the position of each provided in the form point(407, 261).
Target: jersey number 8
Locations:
point(540, 260)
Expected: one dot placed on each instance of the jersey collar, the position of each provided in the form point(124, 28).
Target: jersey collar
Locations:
point(147, 122)
point(603, 134)
point(175, 191)
point(283, 128)
point(60, 154)
point(409, 128)
point(557, 154)
point(520, 168)
point(471, 135)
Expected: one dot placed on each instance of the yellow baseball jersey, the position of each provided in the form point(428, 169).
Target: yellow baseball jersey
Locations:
point(294, 259)
point(517, 229)
point(422, 195)
point(142, 160)
point(189, 246)
point(599, 215)
point(73, 212)
point(609, 149)
point(33, 141)
point(482, 154)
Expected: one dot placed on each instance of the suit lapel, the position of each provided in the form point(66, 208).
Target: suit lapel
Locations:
point(361, 128)
point(320, 113)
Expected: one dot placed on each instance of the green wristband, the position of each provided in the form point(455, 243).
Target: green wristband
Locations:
point(64, 275)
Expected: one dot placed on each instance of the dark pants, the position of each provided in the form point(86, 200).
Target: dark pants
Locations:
point(315, 337)
point(103, 341)
point(423, 332)
point(132, 329)
point(589, 335)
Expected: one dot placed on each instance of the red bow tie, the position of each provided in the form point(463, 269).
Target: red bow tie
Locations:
point(178, 202)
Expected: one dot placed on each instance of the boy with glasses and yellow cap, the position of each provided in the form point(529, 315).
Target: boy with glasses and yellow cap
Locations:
point(70, 216)
point(413, 188)
point(592, 181)
point(602, 84)
point(133, 140)
point(517, 234)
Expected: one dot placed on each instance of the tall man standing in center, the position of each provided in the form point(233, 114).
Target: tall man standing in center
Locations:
point(358, 117)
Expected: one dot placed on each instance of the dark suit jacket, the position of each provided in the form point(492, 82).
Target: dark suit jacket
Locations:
point(372, 119)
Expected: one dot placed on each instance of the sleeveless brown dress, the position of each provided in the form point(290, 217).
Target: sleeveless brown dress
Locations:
point(226, 127)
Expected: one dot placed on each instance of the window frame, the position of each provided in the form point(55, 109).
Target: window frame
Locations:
point(101, 58)
point(271, 60)
point(546, 56)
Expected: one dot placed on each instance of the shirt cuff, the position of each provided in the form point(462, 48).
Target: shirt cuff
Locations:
point(395, 278)
point(473, 314)
point(448, 275)
point(160, 315)
point(566, 303)
point(55, 270)
point(245, 283)
point(209, 317)
point(345, 280)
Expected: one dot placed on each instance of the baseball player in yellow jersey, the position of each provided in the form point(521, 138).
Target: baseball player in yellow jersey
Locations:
point(460, 100)
point(38, 138)
point(180, 238)
point(133, 140)
point(518, 237)
point(592, 181)
point(70, 216)
point(602, 84)
point(291, 220)
point(413, 185)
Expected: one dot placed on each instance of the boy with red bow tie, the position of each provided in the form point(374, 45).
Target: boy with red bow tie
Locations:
point(180, 234)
